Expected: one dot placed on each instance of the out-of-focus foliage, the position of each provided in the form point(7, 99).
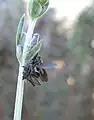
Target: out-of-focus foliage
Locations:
point(80, 43)
point(82, 64)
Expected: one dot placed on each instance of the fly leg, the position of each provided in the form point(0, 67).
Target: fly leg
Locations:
point(31, 81)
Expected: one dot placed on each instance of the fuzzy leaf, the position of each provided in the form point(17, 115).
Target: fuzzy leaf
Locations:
point(37, 8)
point(45, 4)
point(19, 53)
point(19, 30)
point(43, 1)
point(32, 51)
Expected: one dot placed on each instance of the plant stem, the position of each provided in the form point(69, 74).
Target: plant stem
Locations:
point(19, 96)
point(20, 84)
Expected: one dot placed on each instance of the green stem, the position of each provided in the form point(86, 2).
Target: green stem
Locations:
point(20, 84)
point(19, 96)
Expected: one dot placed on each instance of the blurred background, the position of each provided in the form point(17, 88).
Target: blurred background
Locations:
point(68, 32)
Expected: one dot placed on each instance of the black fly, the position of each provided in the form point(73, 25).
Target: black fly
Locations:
point(33, 72)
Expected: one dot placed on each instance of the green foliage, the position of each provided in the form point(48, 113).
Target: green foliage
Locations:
point(32, 51)
point(80, 43)
point(19, 53)
point(25, 49)
point(19, 30)
point(42, 1)
point(37, 8)
point(19, 38)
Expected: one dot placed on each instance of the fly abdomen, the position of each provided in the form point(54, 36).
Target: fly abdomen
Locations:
point(26, 72)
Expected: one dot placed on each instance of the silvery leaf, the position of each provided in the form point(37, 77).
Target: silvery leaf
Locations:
point(37, 8)
point(32, 51)
point(19, 51)
point(19, 30)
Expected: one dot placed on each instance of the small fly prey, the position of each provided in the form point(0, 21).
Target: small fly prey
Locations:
point(34, 73)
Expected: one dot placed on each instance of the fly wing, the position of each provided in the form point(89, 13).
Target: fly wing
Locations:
point(42, 74)
point(36, 81)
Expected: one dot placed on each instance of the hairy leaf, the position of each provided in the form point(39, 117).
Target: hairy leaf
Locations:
point(32, 51)
point(19, 53)
point(37, 8)
point(19, 30)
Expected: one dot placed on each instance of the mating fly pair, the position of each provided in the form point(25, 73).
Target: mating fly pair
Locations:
point(33, 71)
